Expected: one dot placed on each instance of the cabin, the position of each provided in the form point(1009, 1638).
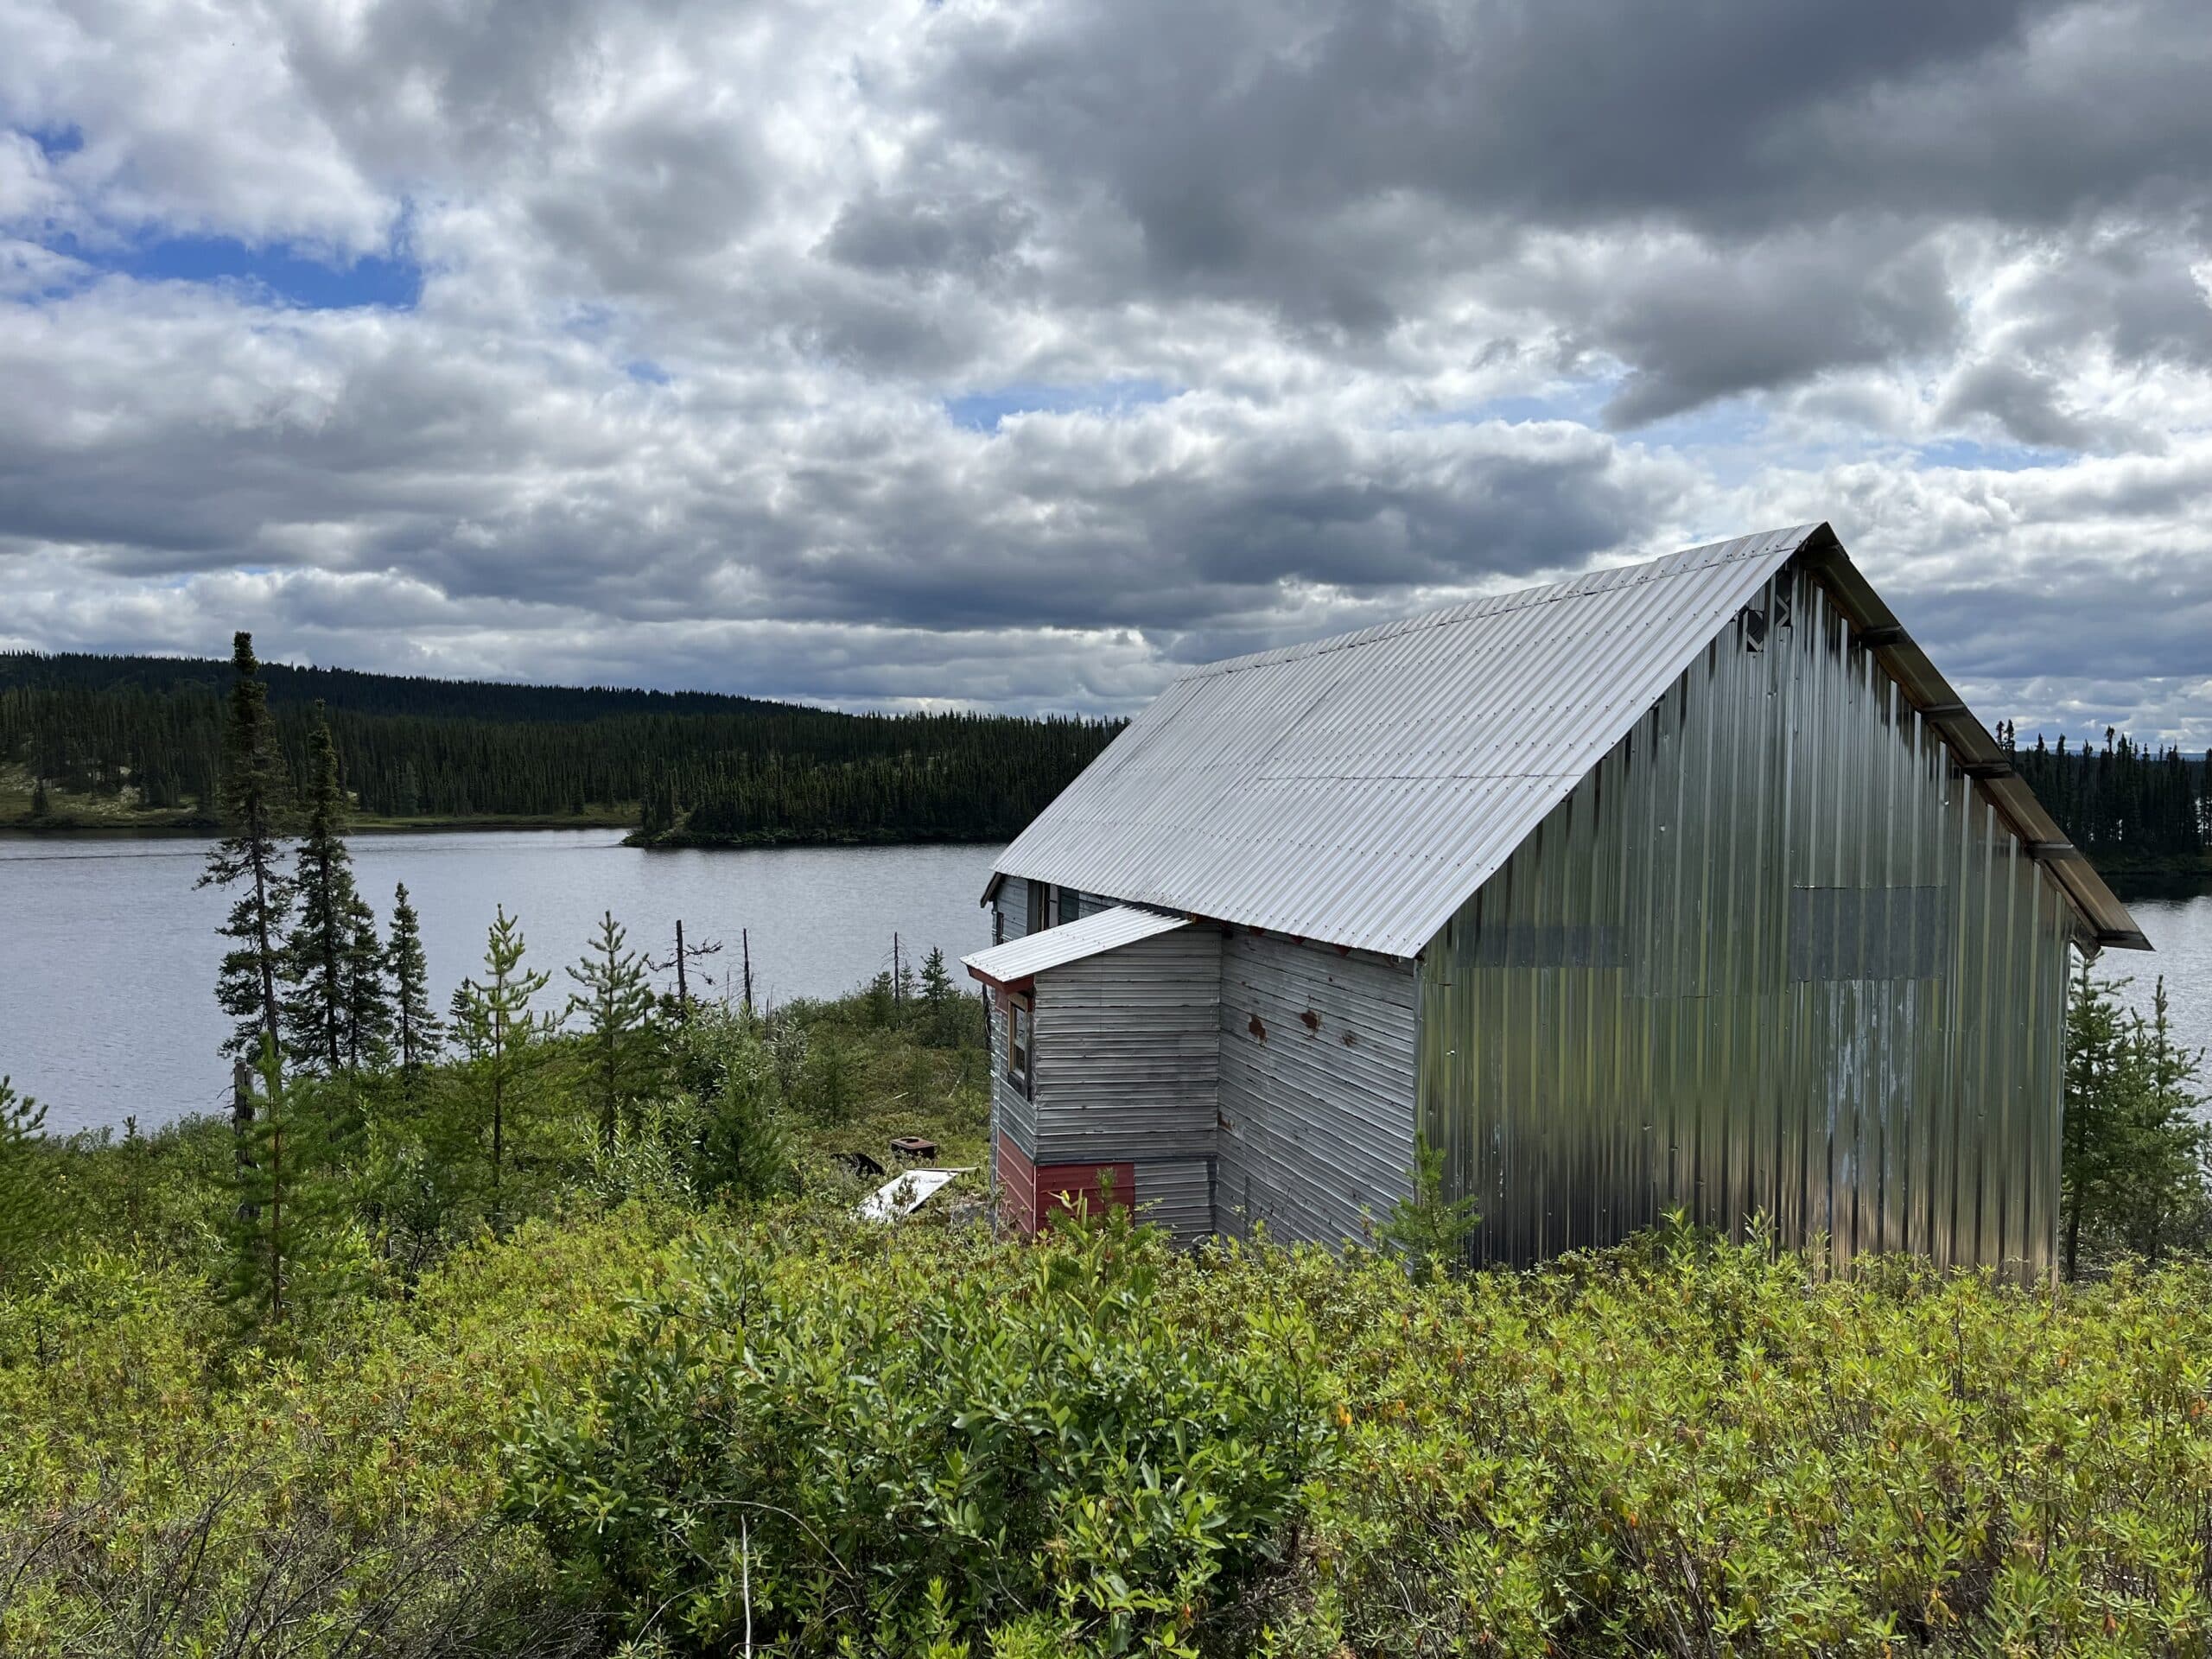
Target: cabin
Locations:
point(1690, 886)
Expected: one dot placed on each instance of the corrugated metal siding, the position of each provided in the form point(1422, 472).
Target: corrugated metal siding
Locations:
point(1709, 1056)
point(1357, 790)
point(1317, 1131)
point(1129, 1052)
point(1178, 1197)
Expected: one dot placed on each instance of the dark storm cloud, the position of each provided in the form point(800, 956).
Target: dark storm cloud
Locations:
point(1425, 298)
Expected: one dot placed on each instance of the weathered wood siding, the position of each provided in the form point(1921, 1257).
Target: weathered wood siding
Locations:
point(1178, 1197)
point(1127, 1052)
point(1010, 1113)
point(1316, 1087)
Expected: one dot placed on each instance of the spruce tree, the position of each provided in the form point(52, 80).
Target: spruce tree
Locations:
point(621, 1046)
point(499, 1039)
point(2132, 1171)
point(416, 1029)
point(368, 998)
point(26, 1201)
point(252, 797)
point(323, 961)
point(940, 997)
point(38, 798)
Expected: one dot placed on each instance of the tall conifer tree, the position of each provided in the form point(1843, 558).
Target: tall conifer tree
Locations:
point(416, 1031)
point(322, 956)
point(249, 857)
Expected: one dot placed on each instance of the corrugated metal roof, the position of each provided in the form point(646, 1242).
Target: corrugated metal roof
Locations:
point(1356, 790)
point(1022, 959)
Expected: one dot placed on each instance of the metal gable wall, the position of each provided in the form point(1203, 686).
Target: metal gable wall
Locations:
point(1776, 954)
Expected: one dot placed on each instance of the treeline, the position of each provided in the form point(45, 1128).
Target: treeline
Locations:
point(2126, 803)
point(147, 733)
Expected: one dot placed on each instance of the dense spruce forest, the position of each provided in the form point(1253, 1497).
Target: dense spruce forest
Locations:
point(135, 742)
point(2127, 805)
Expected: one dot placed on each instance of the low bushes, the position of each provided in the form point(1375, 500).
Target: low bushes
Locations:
point(897, 1446)
point(1682, 1447)
point(163, 1490)
point(627, 1425)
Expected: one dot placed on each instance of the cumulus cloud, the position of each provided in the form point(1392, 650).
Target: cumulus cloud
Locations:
point(1019, 351)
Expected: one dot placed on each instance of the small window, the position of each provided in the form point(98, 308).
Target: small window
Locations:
point(1018, 1038)
point(998, 925)
point(1038, 921)
point(1069, 905)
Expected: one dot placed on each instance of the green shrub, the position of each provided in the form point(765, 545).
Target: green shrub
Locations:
point(924, 1443)
point(163, 1490)
point(1688, 1448)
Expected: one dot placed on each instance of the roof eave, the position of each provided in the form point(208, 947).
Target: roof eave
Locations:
point(1984, 761)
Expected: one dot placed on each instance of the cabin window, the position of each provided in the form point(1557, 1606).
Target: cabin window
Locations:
point(1038, 921)
point(1070, 904)
point(1018, 1040)
point(998, 925)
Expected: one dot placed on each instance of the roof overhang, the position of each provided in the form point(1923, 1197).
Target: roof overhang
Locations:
point(1014, 965)
point(2105, 922)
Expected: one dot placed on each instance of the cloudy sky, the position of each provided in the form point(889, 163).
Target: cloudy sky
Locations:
point(1018, 353)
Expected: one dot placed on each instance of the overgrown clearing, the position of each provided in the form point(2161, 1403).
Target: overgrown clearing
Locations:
point(638, 1414)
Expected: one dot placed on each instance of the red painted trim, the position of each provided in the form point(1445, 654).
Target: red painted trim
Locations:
point(1017, 1186)
point(1072, 1189)
point(1015, 986)
point(1028, 1196)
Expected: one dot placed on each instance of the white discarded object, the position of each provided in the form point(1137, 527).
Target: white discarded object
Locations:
point(904, 1194)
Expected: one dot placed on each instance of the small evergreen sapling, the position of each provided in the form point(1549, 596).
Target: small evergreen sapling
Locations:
point(621, 1046)
point(500, 1038)
point(1428, 1231)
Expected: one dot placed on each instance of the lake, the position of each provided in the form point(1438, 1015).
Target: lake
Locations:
point(108, 953)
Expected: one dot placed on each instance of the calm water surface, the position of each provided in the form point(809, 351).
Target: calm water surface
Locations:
point(2180, 929)
point(108, 953)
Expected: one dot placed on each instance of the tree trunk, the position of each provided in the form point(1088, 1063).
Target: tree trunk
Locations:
point(242, 1132)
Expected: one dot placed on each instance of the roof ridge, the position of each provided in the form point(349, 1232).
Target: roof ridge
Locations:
point(1755, 544)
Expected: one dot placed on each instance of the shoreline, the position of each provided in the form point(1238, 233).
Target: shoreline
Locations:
point(80, 831)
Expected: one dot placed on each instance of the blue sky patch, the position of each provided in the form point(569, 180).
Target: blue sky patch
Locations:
point(286, 274)
point(1967, 455)
point(982, 412)
point(54, 142)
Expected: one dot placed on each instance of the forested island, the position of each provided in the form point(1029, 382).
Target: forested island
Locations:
point(93, 742)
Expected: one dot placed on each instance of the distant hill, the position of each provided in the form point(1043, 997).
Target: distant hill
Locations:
point(135, 742)
point(368, 694)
